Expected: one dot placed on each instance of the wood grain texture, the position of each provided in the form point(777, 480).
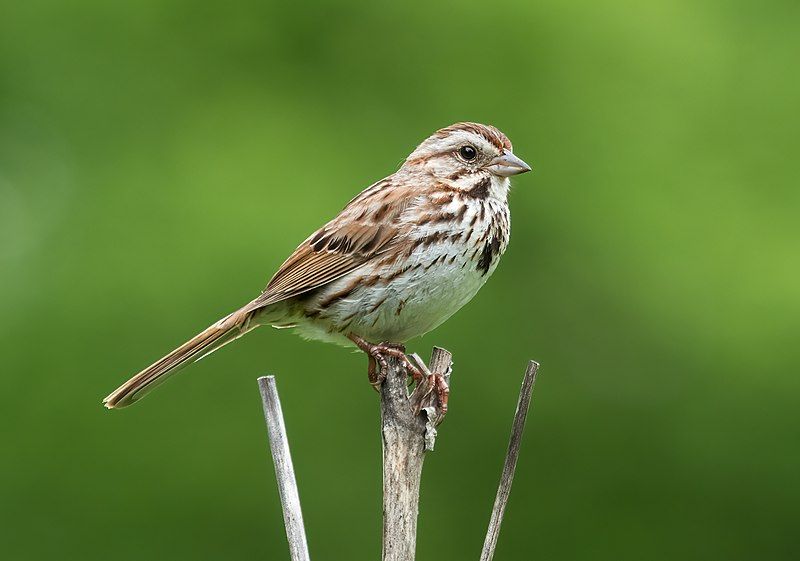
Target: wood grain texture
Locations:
point(284, 470)
point(510, 465)
point(404, 427)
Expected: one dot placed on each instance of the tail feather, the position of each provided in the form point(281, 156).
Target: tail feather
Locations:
point(217, 335)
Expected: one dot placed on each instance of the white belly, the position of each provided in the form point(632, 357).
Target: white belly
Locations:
point(443, 281)
point(420, 302)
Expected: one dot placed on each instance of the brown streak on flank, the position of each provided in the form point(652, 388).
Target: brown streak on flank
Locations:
point(400, 307)
point(378, 304)
point(386, 260)
point(435, 262)
point(371, 281)
point(442, 218)
point(344, 293)
point(483, 211)
point(430, 239)
point(446, 217)
point(395, 274)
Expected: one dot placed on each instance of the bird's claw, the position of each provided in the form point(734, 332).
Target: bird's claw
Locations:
point(377, 368)
point(428, 383)
point(432, 384)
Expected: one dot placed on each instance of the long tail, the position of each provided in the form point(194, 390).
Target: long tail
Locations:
point(224, 331)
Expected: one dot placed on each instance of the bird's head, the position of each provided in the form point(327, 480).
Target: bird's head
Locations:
point(466, 155)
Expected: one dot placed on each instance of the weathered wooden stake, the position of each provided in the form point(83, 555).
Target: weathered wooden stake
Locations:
point(408, 429)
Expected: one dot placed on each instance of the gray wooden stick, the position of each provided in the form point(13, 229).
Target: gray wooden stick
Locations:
point(504, 489)
point(284, 471)
point(403, 428)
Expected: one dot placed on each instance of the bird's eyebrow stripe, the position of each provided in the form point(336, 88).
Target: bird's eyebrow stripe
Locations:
point(491, 134)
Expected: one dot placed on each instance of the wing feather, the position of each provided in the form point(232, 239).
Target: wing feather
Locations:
point(367, 227)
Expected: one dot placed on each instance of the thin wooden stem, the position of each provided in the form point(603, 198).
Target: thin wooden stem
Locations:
point(507, 478)
point(284, 470)
point(408, 429)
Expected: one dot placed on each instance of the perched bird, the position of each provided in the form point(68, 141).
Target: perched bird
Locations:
point(402, 257)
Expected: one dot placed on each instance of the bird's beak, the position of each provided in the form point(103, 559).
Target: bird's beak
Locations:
point(507, 165)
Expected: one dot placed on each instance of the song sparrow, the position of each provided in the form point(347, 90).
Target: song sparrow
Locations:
point(402, 257)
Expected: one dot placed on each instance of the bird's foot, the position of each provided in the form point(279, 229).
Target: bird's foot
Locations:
point(442, 392)
point(432, 389)
point(378, 367)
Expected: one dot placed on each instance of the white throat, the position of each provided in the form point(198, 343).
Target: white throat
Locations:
point(500, 187)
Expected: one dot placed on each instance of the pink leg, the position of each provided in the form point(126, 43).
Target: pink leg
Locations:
point(442, 391)
point(377, 357)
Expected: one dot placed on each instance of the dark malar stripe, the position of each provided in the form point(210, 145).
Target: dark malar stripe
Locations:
point(481, 189)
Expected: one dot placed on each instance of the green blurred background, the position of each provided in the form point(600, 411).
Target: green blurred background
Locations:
point(159, 159)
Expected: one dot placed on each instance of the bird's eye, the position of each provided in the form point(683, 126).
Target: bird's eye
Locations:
point(468, 152)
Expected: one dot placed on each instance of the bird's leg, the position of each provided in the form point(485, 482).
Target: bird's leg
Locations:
point(442, 392)
point(377, 357)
